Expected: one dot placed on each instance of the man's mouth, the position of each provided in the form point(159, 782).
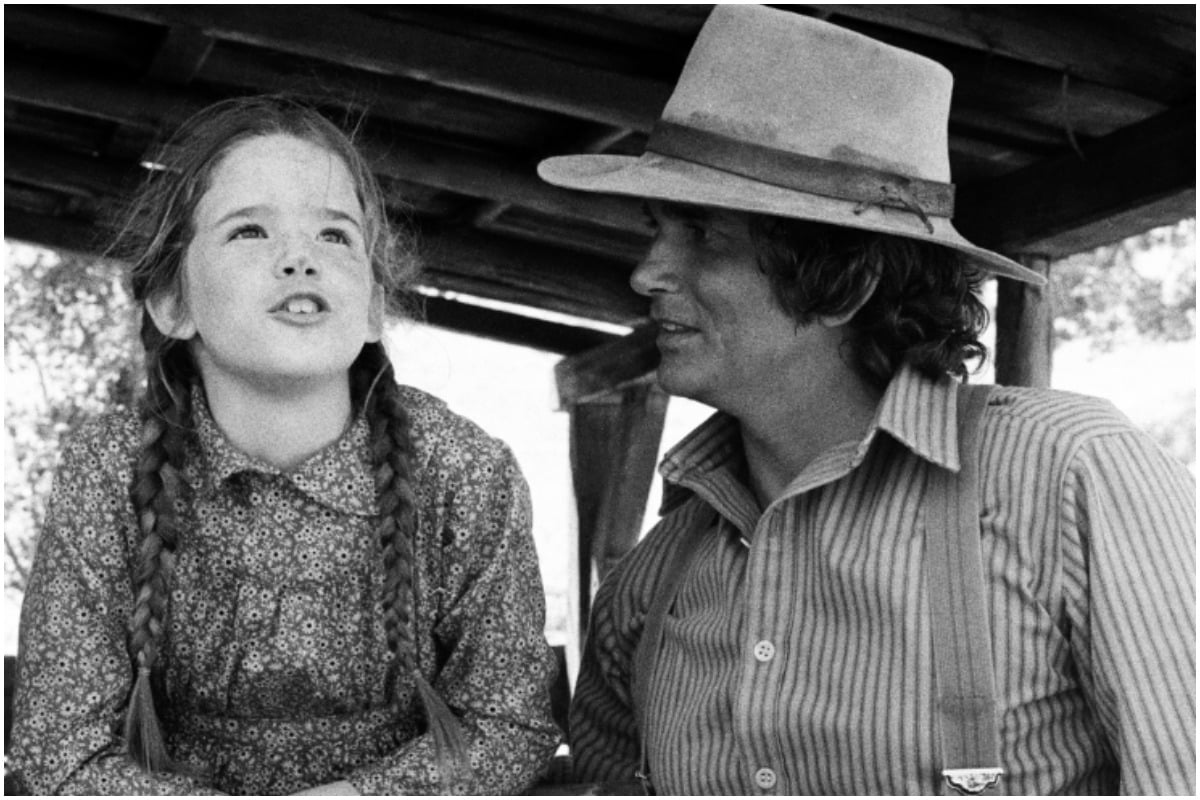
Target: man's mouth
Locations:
point(671, 326)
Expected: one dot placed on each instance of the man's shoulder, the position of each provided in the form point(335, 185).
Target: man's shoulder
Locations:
point(1064, 415)
point(640, 570)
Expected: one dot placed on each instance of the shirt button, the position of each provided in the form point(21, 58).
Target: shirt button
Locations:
point(765, 778)
point(764, 650)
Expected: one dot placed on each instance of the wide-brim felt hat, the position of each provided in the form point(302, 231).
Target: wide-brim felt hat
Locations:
point(780, 114)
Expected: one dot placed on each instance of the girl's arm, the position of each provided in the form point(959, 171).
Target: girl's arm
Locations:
point(74, 671)
point(497, 668)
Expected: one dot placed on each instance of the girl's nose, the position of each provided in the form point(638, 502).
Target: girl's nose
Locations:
point(655, 273)
point(296, 258)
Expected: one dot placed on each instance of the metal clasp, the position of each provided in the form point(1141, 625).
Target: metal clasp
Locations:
point(972, 781)
point(643, 777)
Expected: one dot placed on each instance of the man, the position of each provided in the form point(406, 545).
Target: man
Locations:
point(807, 283)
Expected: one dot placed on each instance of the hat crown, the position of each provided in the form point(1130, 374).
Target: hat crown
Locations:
point(799, 85)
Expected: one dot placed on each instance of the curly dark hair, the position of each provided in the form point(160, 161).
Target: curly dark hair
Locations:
point(924, 311)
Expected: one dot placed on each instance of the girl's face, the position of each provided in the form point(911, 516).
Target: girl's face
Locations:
point(278, 291)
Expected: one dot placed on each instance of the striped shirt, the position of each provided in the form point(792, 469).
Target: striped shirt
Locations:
point(798, 659)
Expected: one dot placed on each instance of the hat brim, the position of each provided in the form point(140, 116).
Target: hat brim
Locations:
point(664, 178)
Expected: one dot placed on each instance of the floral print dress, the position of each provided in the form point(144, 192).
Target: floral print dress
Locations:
point(275, 674)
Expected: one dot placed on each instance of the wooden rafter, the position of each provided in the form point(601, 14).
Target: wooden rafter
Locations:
point(1045, 205)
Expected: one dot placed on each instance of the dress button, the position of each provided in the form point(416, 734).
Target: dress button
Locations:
point(764, 650)
point(765, 778)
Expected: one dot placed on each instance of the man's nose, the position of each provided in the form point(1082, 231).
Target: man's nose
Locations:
point(656, 272)
point(296, 258)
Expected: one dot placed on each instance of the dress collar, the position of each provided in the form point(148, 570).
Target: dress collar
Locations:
point(339, 476)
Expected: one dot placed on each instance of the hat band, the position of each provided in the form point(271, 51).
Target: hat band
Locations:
point(802, 173)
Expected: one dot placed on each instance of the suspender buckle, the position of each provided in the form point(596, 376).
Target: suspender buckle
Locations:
point(972, 781)
point(643, 776)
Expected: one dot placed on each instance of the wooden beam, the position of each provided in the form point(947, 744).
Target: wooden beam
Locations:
point(614, 448)
point(422, 105)
point(457, 169)
point(1025, 329)
point(516, 329)
point(1064, 39)
point(1038, 209)
point(348, 36)
point(607, 369)
point(70, 173)
point(180, 56)
point(556, 279)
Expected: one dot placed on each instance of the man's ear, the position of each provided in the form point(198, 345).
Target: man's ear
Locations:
point(837, 320)
point(376, 312)
point(171, 316)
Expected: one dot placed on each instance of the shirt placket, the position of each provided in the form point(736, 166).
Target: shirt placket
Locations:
point(764, 654)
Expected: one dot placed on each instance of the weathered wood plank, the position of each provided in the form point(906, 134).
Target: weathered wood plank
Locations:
point(614, 448)
point(180, 56)
point(1063, 39)
point(1025, 329)
point(471, 172)
point(345, 36)
point(519, 272)
point(1149, 165)
point(607, 369)
point(510, 328)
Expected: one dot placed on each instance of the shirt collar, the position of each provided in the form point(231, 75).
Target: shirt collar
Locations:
point(339, 476)
point(920, 413)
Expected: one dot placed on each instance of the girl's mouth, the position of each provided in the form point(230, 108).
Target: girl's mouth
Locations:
point(300, 305)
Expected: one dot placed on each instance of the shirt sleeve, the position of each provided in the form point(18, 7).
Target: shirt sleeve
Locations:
point(497, 668)
point(74, 670)
point(604, 741)
point(1129, 540)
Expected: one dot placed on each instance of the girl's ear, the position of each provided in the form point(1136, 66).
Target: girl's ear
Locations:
point(847, 315)
point(376, 313)
point(171, 316)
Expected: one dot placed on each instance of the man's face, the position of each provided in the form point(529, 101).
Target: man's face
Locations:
point(724, 338)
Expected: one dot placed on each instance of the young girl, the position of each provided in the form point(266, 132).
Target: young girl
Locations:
point(286, 573)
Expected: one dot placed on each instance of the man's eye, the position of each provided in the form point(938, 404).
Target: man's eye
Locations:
point(696, 231)
point(248, 232)
point(335, 236)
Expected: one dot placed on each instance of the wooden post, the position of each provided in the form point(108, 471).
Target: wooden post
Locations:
point(1024, 328)
point(617, 414)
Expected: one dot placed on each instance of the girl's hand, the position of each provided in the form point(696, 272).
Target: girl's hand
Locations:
point(337, 787)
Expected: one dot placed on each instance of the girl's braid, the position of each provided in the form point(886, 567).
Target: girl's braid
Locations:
point(166, 416)
point(392, 452)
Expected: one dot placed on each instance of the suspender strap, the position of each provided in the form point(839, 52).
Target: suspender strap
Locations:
point(961, 639)
point(677, 563)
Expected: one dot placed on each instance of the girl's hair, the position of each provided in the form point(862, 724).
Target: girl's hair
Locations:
point(156, 235)
point(924, 310)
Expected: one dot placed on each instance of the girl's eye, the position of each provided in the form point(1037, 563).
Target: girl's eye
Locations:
point(335, 236)
point(248, 232)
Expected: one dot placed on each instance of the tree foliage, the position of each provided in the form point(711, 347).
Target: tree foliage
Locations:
point(70, 352)
point(1141, 288)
